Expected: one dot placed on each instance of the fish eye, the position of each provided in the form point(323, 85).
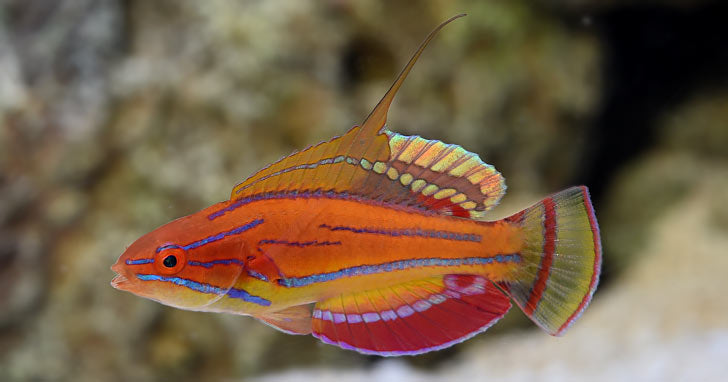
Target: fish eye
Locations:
point(170, 260)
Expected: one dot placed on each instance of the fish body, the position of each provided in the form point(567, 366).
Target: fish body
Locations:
point(306, 248)
point(375, 242)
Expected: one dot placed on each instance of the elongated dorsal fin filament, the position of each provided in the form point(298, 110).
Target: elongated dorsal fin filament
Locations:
point(377, 118)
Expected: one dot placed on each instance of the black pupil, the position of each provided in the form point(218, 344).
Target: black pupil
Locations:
point(170, 261)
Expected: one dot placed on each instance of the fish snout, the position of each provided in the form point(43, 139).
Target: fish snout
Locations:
point(120, 281)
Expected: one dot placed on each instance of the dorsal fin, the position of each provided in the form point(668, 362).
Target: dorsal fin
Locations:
point(376, 164)
point(378, 117)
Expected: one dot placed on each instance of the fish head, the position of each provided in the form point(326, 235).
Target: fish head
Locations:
point(182, 264)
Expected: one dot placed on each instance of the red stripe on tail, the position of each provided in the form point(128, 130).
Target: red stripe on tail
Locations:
point(547, 260)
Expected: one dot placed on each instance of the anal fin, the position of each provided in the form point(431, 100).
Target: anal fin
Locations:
point(410, 318)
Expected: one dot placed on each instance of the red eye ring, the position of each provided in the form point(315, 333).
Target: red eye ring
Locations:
point(170, 260)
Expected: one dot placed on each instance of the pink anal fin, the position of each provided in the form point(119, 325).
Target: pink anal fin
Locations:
point(293, 320)
point(410, 318)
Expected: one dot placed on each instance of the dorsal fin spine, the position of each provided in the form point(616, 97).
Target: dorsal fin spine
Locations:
point(378, 117)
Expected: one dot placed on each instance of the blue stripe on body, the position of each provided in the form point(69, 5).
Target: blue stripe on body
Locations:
point(207, 288)
point(213, 238)
point(300, 244)
point(361, 270)
point(209, 264)
point(408, 232)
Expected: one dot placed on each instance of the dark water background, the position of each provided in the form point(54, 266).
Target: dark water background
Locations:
point(119, 116)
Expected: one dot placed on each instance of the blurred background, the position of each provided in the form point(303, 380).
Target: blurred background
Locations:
point(117, 116)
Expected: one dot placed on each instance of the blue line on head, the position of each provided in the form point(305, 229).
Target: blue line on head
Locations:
point(139, 261)
point(207, 288)
point(209, 264)
point(168, 246)
point(194, 285)
point(245, 296)
point(213, 238)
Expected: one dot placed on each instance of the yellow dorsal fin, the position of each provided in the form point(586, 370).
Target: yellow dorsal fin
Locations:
point(378, 117)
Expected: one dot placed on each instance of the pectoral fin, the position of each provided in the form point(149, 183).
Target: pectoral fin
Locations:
point(293, 320)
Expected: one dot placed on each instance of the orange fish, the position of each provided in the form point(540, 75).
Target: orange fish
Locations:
point(376, 242)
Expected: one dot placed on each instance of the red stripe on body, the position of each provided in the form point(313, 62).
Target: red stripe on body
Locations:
point(597, 262)
point(549, 247)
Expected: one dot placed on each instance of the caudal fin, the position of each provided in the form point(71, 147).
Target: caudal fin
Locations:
point(561, 260)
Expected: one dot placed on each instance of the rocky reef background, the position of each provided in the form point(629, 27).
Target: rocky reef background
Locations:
point(119, 116)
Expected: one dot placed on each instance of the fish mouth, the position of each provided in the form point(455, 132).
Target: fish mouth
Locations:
point(119, 281)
